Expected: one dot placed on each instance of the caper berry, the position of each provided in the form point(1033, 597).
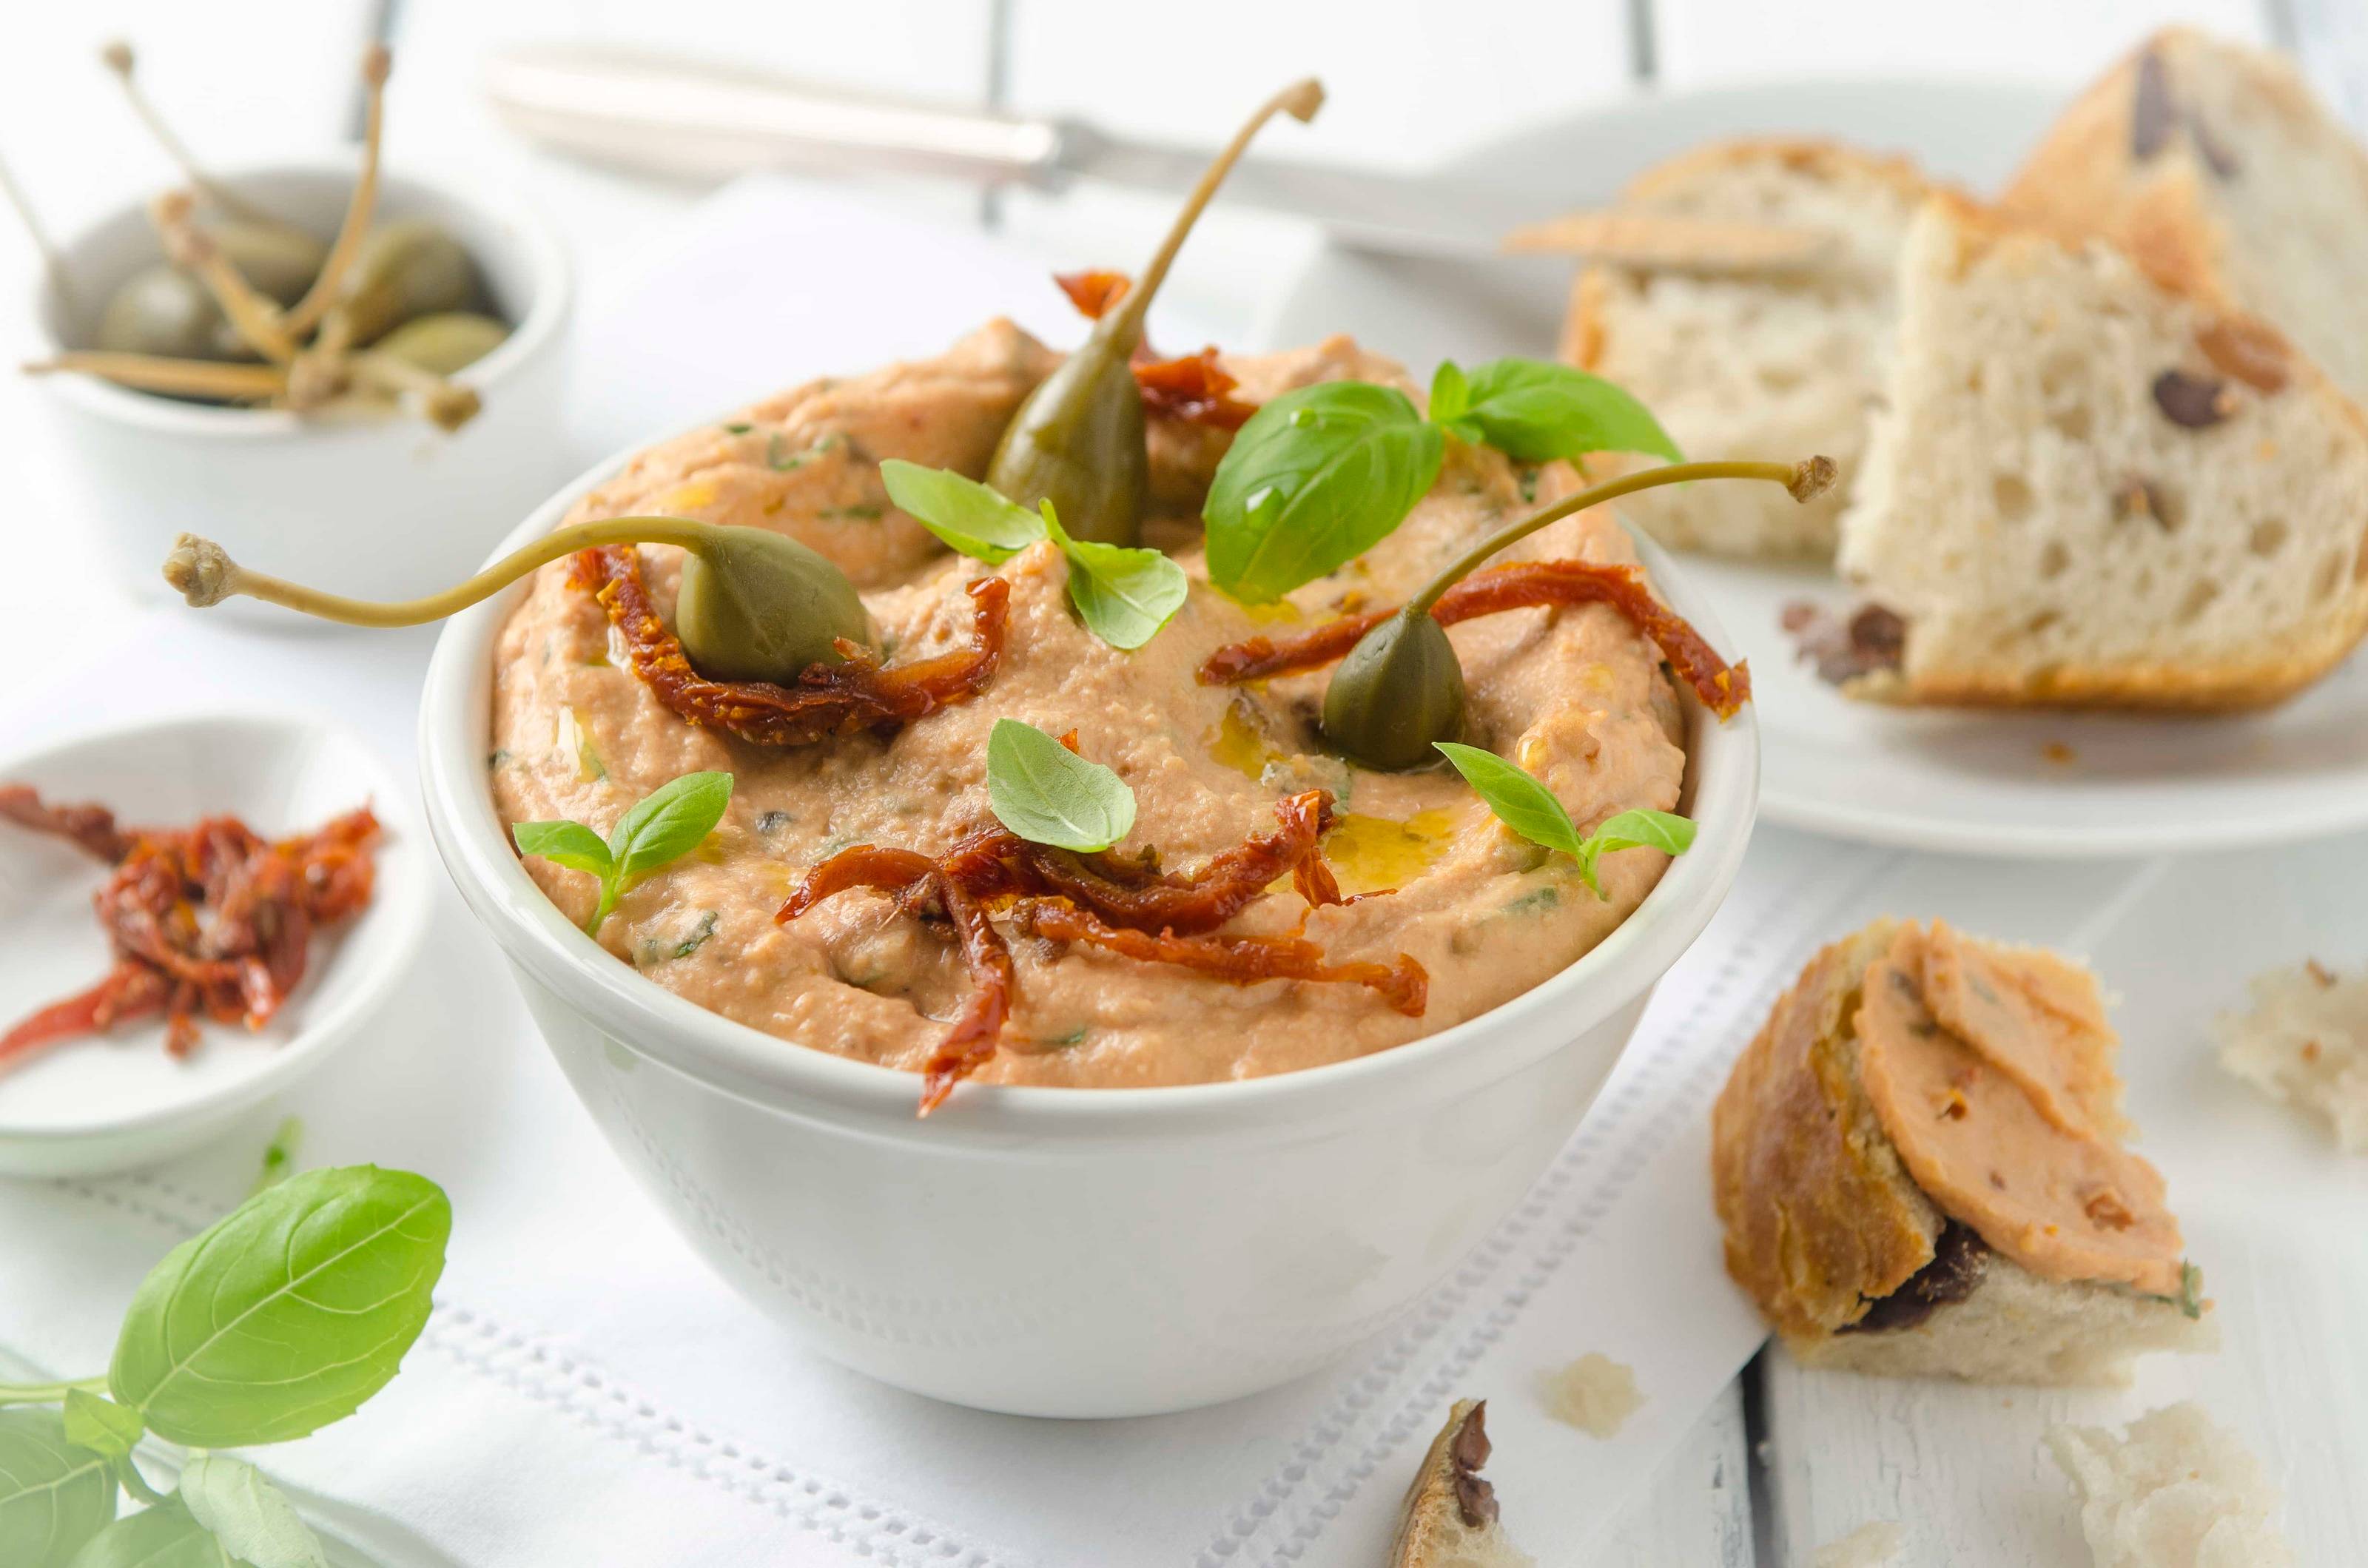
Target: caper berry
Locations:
point(162, 310)
point(279, 261)
point(445, 343)
point(406, 269)
point(1400, 689)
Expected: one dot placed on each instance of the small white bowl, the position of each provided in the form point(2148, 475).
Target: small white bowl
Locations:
point(1069, 1252)
point(116, 1100)
point(385, 508)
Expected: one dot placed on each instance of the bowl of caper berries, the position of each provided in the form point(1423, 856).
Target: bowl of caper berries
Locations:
point(354, 369)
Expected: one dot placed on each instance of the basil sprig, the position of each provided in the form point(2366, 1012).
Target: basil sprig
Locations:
point(278, 1320)
point(1530, 809)
point(1123, 596)
point(662, 827)
point(1323, 473)
point(1048, 794)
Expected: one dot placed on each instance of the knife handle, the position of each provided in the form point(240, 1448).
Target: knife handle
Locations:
point(688, 118)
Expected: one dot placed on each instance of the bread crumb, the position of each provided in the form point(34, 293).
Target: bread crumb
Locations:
point(1870, 1545)
point(2305, 1043)
point(1594, 1393)
point(2174, 1491)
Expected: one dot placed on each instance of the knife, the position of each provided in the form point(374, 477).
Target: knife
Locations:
point(691, 120)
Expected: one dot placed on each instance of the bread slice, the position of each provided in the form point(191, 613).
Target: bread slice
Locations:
point(2173, 1489)
point(1450, 1519)
point(1779, 365)
point(2305, 1043)
point(2213, 166)
point(1856, 1264)
point(2089, 490)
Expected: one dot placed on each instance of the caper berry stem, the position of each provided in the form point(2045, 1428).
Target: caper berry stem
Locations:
point(187, 377)
point(118, 58)
point(1804, 480)
point(448, 407)
point(52, 261)
point(253, 317)
point(204, 572)
point(1124, 323)
point(377, 63)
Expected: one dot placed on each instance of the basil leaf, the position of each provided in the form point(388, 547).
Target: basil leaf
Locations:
point(101, 1425)
point(1450, 394)
point(1520, 803)
point(1534, 411)
point(1665, 831)
point(568, 844)
point(969, 517)
point(162, 1536)
point(1316, 478)
point(253, 1520)
point(286, 1314)
point(53, 1495)
point(1123, 596)
point(669, 823)
point(1048, 794)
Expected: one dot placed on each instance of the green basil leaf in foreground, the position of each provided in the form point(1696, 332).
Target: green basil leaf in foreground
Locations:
point(563, 842)
point(1534, 411)
point(101, 1425)
point(1315, 479)
point(53, 1495)
point(1450, 394)
point(286, 1314)
point(668, 823)
point(1530, 809)
point(166, 1536)
point(253, 1520)
point(1048, 794)
point(969, 517)
point(1520, 803)
point(1124, 595)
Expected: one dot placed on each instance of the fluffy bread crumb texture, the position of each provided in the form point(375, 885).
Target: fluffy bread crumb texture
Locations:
point(1594, 1393)
point(2305, 1043)
point(2174, 1491)
point(1775, 365)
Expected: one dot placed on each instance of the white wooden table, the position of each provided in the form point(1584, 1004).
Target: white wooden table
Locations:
point(1772, 1469)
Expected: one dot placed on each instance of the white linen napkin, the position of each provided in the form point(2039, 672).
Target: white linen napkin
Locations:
point(587, 1393)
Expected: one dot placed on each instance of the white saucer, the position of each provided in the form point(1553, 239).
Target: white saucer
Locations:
point(2055, 786)
point(117, 1100)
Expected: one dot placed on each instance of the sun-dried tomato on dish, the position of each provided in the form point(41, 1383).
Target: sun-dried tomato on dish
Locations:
point(1191, 387)
point(212, 921)
point(1724, 687)
point(829, 700)
point(1105, 900)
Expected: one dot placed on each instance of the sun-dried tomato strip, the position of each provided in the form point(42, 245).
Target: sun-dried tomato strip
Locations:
point(1724, 687)
point(1242, 960)
point(90, 826)
point(1191, 387)
point(211, 921)
point(829, 700)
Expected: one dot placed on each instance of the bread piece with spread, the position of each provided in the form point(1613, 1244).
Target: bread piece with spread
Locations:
point(2221, 174)
point(1919, 1169)
point(1759, 364)
point(2090, 490)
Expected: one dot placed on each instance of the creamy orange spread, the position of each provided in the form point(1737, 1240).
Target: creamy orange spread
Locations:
point(1991, 1072)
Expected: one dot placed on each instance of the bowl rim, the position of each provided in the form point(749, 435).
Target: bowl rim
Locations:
point(1722, 778)
point(321, 1034)
point(533, 239)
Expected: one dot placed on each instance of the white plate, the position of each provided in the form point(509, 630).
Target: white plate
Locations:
point(2054, 785)
point(117, 1100)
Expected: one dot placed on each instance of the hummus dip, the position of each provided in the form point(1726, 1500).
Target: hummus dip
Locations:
point(1576, 695)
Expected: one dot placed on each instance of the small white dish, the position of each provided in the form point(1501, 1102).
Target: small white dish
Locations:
point(2037, 784)
point(383, 507)
point(116, 1100)
point(1069, 1252)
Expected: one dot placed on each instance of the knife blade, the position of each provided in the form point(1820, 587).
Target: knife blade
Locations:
point(691, 120)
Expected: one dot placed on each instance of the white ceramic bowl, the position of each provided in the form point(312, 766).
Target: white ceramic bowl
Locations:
point(119, 1101)
point(385, 508)
point(1069, 1252)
